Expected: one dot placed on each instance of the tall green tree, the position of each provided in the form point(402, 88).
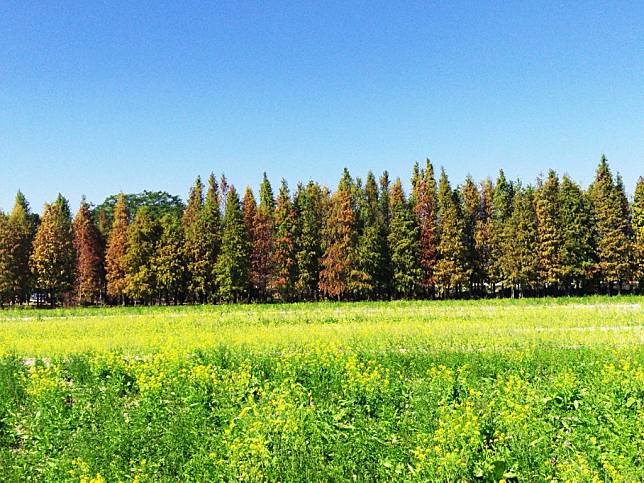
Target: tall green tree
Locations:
point(195, 245)
point(310, 203)
point(168, 264)
point(53, 258)
point(451, 269)
point(637, 220)
point(233, 267)
point(577, 250)
point(472, 215)
point(143, 237)
point(522, 263)
point(500, 234)
point(89, 256)
point(407, 275)
point(249, 210)
point(284, 257)
point(611, 228)
point(550, 232)
point(385, 212)
point(210, 227)
point(6, 259)
point(16, 240)
point(483, 231)
point(371, 244)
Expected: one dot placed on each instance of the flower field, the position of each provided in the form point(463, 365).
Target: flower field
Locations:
point(528, 390)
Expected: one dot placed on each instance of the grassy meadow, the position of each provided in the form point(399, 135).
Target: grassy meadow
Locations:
point(524, 390)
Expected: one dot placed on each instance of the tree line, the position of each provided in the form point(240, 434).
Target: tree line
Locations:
point(367, 240)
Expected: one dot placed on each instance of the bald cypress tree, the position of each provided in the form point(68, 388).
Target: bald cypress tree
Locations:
point(340, 235)
point(53, 257)
point(263, 243)
point(577, 250)
point(550, 232)
point(116, 250)
point(638, 232)
point(451, 269)
point(407, 274)
point(89, 256)
point(233, 267)
point(425, 208)
point(611, 228)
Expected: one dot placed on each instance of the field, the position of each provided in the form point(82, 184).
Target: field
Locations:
point(529, 390)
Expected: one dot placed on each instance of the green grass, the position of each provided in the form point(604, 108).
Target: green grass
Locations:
point(525, 390)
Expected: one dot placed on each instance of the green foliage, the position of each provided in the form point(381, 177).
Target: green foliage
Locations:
point(407, 275)
point(577, 251)
point(169, 263)
point(550, 230)
point(610, 212)
point(523, 226)
point(143, 236)
point(451, 269)
point(638, 229)
point(16, 237)
point(232, 267)
point(310, 204)
point(284, 255)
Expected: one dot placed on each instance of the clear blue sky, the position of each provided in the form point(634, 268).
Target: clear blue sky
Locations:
point(98, 97)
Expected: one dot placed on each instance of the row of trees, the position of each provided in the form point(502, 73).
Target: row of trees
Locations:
point(365, 240)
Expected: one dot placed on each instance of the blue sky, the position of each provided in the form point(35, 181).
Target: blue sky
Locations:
point(98, 97)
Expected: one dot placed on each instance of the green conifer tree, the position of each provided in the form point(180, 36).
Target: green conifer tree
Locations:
point(550, 232)
point(370, 247)
point(500, 240)
point(523, 227)
point(637, 220)
point(233, 267)
point(611, 228)
point(143, 237)
point(168, 264)
point(577, 250)
point(407, 274)
point(284, 255)
point(451, 270)
point(311, 202)
point(472, 214)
